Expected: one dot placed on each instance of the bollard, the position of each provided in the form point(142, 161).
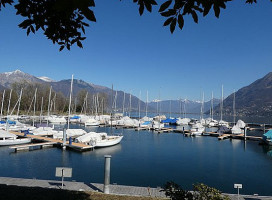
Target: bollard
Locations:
point(64, 139)
point(107, 174)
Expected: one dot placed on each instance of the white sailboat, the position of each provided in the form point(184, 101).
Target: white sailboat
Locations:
point(7, 138)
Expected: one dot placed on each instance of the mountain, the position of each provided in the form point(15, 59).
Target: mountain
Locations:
point(46, 79)
point(7, 78)
point(254, 99)
point(63, 86)
point(177, 106)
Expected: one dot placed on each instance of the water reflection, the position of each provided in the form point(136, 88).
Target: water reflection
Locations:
point(108, 150)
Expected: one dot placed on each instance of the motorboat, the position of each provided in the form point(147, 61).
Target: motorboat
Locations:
point(7, 138)
point(99, 139)
point(197, 129)
point(92, 122)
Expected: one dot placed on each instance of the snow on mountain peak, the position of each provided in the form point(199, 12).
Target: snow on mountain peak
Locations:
point(46, 79)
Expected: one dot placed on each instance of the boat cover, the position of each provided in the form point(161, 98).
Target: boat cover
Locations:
point(267, 135)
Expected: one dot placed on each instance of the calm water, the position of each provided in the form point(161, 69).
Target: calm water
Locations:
point(148, 159)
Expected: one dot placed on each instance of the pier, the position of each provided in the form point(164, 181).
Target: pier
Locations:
point(74, 145)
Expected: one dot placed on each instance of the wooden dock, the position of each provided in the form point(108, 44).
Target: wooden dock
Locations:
point(224, 136)
point(74, 145)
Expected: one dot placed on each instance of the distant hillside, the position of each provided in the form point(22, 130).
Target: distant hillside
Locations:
point(63, 86)
point(190, 106)
point(254, 99)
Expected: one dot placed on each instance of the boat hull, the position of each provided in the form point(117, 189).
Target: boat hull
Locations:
point(15, 141)
point(112, 140)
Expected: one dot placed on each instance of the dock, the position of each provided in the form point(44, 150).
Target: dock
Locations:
point(74, 145)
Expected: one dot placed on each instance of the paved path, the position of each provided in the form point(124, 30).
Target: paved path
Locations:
point(80, 186)
point(114, 189)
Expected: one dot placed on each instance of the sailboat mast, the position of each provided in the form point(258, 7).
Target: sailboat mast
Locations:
point(221, 109)
point(35, 96)
point(234, 111)
point(212, 106)
point(70, 101)
point(139, 105)
point(129, 103)
point(124, 103)
point(19, 102)
point(146, 105)
point(41, 111)
point(2, 105)
point(49, 100)
point(9, 101)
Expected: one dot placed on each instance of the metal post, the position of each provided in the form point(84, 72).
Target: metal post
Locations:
point(245, 132)
point(62, 179)
point(238, 194)
point(64, 139)
point(107, 174)
point(183, 130)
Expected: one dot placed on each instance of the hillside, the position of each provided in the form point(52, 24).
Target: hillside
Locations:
point(254, 99)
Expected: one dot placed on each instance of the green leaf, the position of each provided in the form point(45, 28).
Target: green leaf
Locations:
point(141, 9)
point(169, 13)
point(61, 48)
point(194, 15)
point(165, 5)
point(89, 14)
point(173, 25)
point(207, 9)
point(168, 21)
point(79, 44)
point(180, 21)
point(216, 10)
point(148, 6)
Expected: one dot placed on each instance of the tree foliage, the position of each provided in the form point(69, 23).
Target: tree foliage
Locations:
point(200, 192)
point(58, 102)
point(64, 21)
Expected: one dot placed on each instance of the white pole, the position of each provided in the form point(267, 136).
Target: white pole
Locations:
point(49, 100)
point(222, 96)
point(129, 103)
point(19, 102)
point(140, 105)
point(212, 106)
point(234, 111)
point(124, 99)
point(2, 104)
point(70, 101)
point(9, 101)
point(41, 111)
point(35, 97)
point(146, 103)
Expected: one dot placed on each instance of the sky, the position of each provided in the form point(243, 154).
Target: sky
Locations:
point(136, 53)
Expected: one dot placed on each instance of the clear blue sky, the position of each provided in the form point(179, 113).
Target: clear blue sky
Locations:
point(138, 53)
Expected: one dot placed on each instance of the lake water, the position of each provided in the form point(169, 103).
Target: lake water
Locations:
point(145, 158)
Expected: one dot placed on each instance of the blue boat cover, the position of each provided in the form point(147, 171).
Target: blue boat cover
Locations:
point(169, 121)
point(75, 117)
point(146, 123)
point(267, 135)
point(2, 122)
point(11, 122)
